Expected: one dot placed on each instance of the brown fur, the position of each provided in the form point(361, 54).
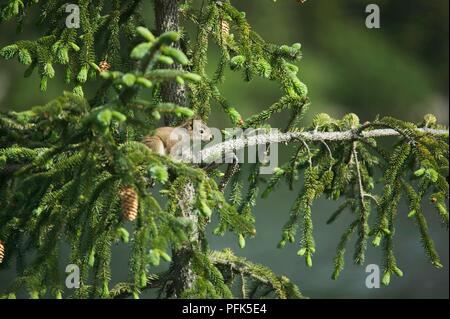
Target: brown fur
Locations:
point(165, 138)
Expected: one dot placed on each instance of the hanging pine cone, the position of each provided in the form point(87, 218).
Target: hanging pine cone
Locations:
point(104, 66)
point(225, 28)
point(2, 251)
point(130, 203)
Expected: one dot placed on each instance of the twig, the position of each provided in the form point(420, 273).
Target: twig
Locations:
point(362, 193)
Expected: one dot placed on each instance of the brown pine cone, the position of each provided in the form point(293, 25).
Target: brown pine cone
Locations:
point(130, 203)
point(104, 66)
point(225, 28)
point(2, 251)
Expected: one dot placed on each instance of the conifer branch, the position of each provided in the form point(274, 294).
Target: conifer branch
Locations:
point(210, 153)
point(312, 136)
point(363, 225)
point(281, 286)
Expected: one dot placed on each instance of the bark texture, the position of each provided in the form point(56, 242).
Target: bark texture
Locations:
point(168, 19)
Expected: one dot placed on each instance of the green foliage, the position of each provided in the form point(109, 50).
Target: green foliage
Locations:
point(255, 281)
point(345, 170)
point(63, 164)
point(243, 50)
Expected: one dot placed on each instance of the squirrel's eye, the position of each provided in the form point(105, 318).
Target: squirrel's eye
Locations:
point(201, 131)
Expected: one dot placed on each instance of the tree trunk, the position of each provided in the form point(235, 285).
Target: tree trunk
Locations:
point(168, 19)
point(183, 277)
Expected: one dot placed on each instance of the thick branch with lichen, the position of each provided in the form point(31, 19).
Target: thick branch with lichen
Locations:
point(210, 153)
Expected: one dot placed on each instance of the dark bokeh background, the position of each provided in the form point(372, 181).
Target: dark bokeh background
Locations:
point(400, 69)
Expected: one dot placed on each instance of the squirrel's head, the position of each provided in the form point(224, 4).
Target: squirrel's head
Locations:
point(200, 131)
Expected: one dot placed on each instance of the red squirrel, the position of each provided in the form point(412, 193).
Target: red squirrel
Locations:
point(166, 138)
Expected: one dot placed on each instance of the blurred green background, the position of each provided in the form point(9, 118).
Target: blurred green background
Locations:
point(400, 69)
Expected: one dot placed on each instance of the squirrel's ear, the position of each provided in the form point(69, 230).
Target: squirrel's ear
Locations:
point(189, 124)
